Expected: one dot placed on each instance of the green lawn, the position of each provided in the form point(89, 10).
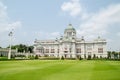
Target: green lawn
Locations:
point(59, 70)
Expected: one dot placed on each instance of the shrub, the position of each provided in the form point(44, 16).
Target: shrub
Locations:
point(70, 58)
point(36, 57)
point(12, 56)
point(94, 56)
point(100, 57)
point(77, 57)
point(80, 58)
point(45, 55)
point(89, 57)
point(1, 55)
point(31, 57)
point(85, 56)
point(62, 58)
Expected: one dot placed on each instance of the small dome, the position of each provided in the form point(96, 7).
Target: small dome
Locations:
point(99, 39)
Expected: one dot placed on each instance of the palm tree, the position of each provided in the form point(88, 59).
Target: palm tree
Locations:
point(115, 54)
point(119, 54)
point(109, 55)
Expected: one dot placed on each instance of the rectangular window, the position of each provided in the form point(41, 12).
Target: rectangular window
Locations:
point(40, 50)
point(70, 50)
point(65, 48)
point(100, 50)
point(52, 50)
point(47, 50)
point(58, 50)
point(78, 50)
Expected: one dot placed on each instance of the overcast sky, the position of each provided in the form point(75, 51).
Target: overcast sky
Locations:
point(47, 19)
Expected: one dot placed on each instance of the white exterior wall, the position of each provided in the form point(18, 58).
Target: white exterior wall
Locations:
point(83, 46)
point(70, 41)
point(73, 50)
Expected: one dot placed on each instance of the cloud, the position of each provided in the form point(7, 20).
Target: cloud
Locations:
point(6, 24)
point(118, 34)
point(100, 22)
point(55, 34)
point(73, 7)
point(47, 35)
point(3, 14)
point(93, 24)
point(105, 22)
point(9, 26)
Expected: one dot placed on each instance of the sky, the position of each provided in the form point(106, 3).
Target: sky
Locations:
point(47, 19)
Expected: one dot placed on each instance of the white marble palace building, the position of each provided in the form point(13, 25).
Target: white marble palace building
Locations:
point(69, 46)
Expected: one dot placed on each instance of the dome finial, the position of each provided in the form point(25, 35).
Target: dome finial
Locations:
point(98, 37)
point(70, 26)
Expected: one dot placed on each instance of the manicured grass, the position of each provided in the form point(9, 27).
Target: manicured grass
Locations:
point(59, 70)
point(3, 58)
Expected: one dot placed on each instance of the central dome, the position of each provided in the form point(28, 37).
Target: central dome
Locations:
point(70, 27)
point(70, 32)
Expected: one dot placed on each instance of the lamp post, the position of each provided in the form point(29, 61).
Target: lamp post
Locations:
point(10, 35)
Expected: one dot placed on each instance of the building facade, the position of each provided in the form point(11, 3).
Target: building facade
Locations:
point(69, 46)
point(5, 51)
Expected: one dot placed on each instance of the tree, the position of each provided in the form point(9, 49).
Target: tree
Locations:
point(89, 57)
point(113, 52)
point(36, 57)
point(1, 55)
point(85, 56)
point(12, 56)
point(109, 54)
point(30, 49)
point(77, 56)
point(101, 57)
point(23, 48)
point(119, 55)
point(94, 56)
point(115, 55)
point(80, 58)
point(62, 58)
point(20, 47)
